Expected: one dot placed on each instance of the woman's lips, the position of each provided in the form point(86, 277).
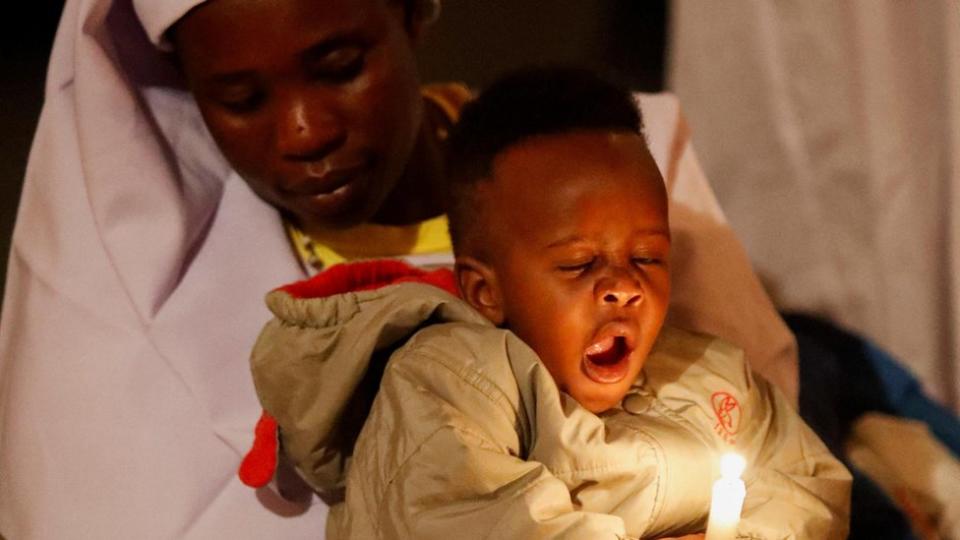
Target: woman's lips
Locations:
point(607, 359)
point(320, 180)
point(332, 191)
point(334, 202)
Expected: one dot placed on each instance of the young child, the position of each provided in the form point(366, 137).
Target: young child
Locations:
point(551, 401)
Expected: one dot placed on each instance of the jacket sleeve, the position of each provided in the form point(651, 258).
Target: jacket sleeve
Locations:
point(795, 487)
point(440, 452)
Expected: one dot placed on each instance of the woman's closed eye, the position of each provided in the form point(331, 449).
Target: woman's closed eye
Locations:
point(236, 93)
point(240, 101)
point(339, 65)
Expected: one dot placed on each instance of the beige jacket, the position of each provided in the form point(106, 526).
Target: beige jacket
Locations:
point(429, 422)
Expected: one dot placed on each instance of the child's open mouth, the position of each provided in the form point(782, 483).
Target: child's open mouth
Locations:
point(606, 360)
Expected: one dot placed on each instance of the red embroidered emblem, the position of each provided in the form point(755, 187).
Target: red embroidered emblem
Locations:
point(727, 409)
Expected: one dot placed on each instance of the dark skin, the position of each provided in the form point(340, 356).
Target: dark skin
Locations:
point(575, 259)
point(318, 106)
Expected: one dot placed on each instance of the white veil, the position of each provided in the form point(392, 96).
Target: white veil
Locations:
point(133, 298)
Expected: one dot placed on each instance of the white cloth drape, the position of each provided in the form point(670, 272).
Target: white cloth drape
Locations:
point(133, 298)
point(831, 132)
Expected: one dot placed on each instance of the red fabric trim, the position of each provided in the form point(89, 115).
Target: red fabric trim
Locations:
point(368, 275)
point(260, 463)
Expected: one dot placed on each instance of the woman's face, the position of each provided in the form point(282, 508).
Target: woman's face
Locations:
point(316, 104)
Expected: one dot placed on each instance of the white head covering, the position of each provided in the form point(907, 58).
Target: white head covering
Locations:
point(134, 295)
point(157, 16)
point(133, 298)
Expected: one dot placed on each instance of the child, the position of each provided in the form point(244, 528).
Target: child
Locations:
point(551, 402)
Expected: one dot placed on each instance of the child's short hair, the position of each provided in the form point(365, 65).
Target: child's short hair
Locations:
point(523, 104)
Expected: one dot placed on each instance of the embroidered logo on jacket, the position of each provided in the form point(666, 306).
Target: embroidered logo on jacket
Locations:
point(727, 409)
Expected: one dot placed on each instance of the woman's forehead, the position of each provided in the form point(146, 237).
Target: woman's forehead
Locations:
point(159, 16)
point(234, 36)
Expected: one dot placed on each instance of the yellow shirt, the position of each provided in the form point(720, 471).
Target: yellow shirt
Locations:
point(424, 244)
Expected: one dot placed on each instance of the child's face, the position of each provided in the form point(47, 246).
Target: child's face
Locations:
point(579, 243)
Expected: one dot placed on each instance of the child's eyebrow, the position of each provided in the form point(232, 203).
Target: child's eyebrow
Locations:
point(576, 238)
point(665, 233)
point(566, 240)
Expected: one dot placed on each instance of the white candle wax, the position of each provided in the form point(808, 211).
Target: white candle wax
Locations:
point(727, 499)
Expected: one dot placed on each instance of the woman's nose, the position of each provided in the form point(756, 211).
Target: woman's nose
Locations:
point(307, 131)
point(618, 288)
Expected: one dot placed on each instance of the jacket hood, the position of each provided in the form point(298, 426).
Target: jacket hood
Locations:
point(317, 366)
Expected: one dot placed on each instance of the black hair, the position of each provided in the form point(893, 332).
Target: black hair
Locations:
point(410, 10)
point(526, 103)
point(415, 10)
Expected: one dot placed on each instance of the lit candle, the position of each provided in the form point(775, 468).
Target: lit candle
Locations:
point(727, 499)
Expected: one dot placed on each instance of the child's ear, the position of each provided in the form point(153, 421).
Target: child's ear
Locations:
point(479, 287)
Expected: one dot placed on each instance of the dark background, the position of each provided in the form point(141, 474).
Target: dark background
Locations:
point(25, 41)
point(472, 42)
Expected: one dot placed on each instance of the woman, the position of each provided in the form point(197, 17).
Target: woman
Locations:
point(142, 250)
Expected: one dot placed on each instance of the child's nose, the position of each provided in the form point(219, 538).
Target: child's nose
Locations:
point(619, 289)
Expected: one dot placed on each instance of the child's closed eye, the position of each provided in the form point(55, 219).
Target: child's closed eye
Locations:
point(646, 261)
point(577, 266)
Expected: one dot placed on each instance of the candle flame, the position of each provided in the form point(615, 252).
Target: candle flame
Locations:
point(732, 465)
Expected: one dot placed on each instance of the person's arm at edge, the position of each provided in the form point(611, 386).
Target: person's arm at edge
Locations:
point(793, 482)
